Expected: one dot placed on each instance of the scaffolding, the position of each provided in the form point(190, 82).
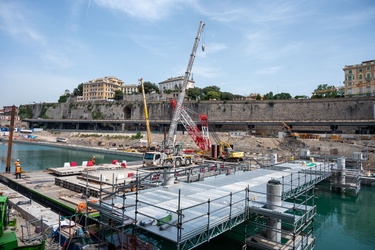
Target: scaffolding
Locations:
point(193, 213)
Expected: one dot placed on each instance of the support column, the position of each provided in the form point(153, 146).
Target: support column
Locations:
point(273, 159)
point(341, 173)
point(273, 231)
point(168, 177)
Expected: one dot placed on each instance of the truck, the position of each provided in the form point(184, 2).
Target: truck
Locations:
point(152, 159)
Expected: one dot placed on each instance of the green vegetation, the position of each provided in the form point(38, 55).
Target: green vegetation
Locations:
point(281, 96)
point(137, 136)
point(326, 91)
point(25, 111)
point(149, 88)
point(96, 115)
point(79, 90)
point(210, 93)
point(63, 98)
point(42, 113)
point(118, 95)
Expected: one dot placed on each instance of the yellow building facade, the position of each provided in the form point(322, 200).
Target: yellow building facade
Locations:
point(101, 89)
point(360, 79)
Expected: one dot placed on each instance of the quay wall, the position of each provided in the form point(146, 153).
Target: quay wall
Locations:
point(361, 108)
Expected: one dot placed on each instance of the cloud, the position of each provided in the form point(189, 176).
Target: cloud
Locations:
point(15, 19)
point(269, 70)
point(151, 10)
point(207, 72)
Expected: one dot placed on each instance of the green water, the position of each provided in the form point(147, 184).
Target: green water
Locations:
point(343, 221)
point(36, 157)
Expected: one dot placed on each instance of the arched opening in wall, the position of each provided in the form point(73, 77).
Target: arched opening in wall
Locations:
point(127, 112)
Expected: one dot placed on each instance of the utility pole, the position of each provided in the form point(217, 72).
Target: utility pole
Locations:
point(10, 142)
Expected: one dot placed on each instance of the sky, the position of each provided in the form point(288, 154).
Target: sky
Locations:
point(251, 46)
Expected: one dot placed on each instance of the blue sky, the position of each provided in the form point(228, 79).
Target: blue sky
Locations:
point(252, 46)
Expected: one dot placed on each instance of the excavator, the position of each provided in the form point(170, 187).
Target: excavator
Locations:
point(289, 132)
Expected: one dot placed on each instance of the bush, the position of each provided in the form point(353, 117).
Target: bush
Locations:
point(137, 136)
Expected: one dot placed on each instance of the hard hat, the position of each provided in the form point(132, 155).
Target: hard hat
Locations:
point(18, 160)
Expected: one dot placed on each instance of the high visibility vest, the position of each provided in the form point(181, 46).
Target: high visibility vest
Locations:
point(18, 169)
point(17, 163)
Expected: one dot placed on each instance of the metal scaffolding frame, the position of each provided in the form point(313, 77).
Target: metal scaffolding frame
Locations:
point(194, 224)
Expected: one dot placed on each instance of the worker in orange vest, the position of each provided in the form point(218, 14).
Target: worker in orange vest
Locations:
point(18, 171)
point(93, 160)
point(17, 163)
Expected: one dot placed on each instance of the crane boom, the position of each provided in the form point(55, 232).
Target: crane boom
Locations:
point(149, 141)
point(201, 138)
point(168, 143)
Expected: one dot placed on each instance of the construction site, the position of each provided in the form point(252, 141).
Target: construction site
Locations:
point(191, 184)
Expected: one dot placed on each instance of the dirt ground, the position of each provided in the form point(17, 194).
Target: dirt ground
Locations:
point(251, 145)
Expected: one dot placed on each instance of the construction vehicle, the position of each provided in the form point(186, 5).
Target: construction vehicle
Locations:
point(152, 159)
point(228, 154)
point(200, 137)
point(172, 154)
point(223, 150)
point(289, 132)
point(8, 239)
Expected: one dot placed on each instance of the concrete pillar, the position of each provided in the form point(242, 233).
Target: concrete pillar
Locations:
point(168, 177)
point(273, 159)
point(341, 173)
point(273, 231)
point(305, 152)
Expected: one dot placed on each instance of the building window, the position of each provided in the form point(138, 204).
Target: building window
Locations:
point(360, 69)
point(360, 90)
point(360, 76)
point(350, 91)
point(349, 77)
point(368, 89)
point(350, 71)
point(368, 68)
point(368, 76)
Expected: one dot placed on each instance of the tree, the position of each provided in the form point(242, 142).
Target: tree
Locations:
point(268, 96)
point(258, 97)
point(194, 93)
point(118, 95)
point(211, 88)
point(325, 91)
point(226, 96)
point(212, 95)
point(79, 90)
point(149, 87)
point(282, 96)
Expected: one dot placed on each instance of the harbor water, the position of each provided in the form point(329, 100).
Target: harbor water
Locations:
point(343, 221)
point(38, 157)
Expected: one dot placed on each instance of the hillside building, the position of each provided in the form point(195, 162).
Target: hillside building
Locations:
point(360, 79)
point(101, 89)
point(175, 83)
point(130, 89)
